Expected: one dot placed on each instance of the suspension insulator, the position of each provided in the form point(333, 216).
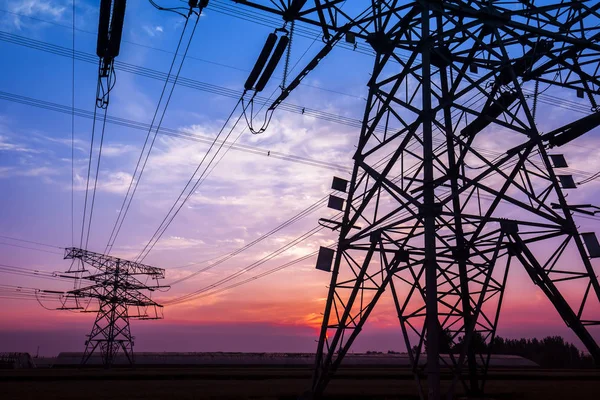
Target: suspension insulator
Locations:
point(489, 113)
point(272, 64)
point(262, 60)
point(116, 28)
point(522, 65)
point(572, 131)
point(103, 24)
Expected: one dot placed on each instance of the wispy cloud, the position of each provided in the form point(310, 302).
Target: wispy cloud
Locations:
point(116, 182)
point(34, 8)
point(78, 144)
point(152, 31)
point(117, 150)
point(6, 145)
point(39, 172)
point(178, 243)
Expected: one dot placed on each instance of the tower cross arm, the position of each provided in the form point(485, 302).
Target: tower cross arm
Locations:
point(109, 263)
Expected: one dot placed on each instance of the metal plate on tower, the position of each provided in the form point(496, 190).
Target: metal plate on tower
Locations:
point(591, 242)
point(325, 259)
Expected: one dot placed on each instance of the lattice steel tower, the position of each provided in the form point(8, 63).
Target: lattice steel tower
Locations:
point(435, 215)
point(118, 288)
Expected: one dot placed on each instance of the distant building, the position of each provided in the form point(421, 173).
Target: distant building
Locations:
point(16, 361)
point(272, 359)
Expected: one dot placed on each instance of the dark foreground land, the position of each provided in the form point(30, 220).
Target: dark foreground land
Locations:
point(275, 383)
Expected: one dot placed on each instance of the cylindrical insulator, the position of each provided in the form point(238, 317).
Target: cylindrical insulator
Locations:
point(103, 24)
point(116, 28)
point(266, 75)
point(262, 60)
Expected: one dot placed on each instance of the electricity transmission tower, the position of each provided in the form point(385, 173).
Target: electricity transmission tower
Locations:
point(431, 217)
point(117, 286)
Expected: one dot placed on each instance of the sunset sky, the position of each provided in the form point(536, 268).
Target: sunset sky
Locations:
point(246, 195)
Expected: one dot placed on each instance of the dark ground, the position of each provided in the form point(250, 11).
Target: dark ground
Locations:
point(275, 383)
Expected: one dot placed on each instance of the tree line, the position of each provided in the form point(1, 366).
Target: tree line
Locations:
point(549, 352)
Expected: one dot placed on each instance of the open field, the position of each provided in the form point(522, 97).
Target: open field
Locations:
point(274, 383)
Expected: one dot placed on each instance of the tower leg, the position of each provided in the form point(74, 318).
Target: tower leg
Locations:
point(111, 333)
point(356, 311)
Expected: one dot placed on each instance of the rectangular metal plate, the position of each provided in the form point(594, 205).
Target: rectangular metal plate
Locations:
point(567, 182)
point(558, 161)
point(325, 259)
point(591, 242)
point(337, 203)
point(339, 184)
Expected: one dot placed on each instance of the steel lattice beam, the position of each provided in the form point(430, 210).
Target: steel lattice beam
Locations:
point(442, 222)
point(117, 287)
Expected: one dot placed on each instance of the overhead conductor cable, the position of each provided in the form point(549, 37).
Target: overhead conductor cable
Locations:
point(110, 29)
point(133, 184)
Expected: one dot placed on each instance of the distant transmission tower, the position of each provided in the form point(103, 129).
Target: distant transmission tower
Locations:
point(118, 287)
point(453, 182)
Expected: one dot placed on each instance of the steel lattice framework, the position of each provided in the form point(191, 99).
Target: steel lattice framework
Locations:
point(118, 288)
point(441, 220)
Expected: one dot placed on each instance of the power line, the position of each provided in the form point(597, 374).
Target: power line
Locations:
point(23, 99)
point(197, 293)
point(25, 291)
point(30, 248)
point(204, 174)
point(255, 17)
point(200, 262)
point(116, 230)
point(249, 267)
point(28, 272)
point(128, 123)
point(203, 292)
point(87, 185)
point(187, 82)
point(220, 64)
point(12, 292)
point(188, 196)
point(58, 50)
point(96, 179)
point(254, 265)
point(305, 212)
point(589, 179)
point(209, 267)
point(273, 22)
point(73, 136)
point(30, 241)
point(281, 226)
point(219, 90)
point(251, 279)
point(160, 230)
